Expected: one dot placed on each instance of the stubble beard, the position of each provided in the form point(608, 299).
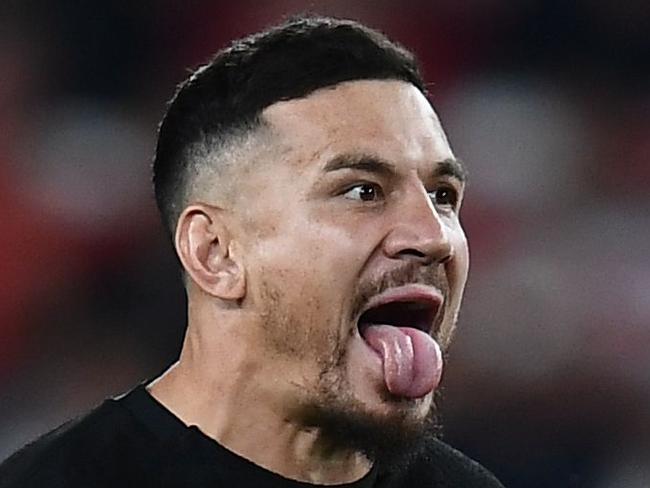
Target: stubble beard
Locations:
point(394, 437)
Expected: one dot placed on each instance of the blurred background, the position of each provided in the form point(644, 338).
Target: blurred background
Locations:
point(547, 101)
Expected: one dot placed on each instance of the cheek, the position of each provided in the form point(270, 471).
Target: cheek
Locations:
point(456, 270)
point(314, 271)
point(458, 267)
point(312, 253)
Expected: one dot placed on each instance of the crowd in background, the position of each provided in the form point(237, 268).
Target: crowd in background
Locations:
point(546, 101)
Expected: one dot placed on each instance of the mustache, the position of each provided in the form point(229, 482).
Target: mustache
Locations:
point(406, 274)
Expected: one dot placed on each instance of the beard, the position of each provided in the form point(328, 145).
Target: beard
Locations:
point(393, 437)
point(393, 440)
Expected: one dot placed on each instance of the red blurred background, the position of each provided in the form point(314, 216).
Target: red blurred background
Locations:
point(547, 101)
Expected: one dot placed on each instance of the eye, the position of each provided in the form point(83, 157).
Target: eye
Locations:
point(365, 192)
point(445, 196)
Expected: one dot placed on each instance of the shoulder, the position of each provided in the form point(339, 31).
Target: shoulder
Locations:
point(443, 466)
point(75, 453)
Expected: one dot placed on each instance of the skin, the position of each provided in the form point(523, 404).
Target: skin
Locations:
point(274, 272)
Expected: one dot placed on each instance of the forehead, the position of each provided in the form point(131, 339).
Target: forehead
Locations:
point(391, 119)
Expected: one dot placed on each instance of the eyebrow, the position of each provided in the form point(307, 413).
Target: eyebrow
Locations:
point(373, 164)
point(360, 162)
point(451, 167)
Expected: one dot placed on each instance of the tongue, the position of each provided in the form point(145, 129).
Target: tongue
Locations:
point(412, 359)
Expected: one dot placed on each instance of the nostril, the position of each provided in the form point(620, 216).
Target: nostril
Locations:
point(413, 253)
point(423, 257)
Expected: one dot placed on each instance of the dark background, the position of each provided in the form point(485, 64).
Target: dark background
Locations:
point(547, 101)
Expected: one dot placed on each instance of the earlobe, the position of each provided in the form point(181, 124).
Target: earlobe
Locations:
point(205, 248)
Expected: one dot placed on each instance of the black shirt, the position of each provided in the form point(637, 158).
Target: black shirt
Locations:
point(134, 441)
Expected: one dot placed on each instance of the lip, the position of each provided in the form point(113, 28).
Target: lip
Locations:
point(415, 293)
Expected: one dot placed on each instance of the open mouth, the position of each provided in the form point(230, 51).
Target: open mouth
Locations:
point(417, 314)
point(400, 325)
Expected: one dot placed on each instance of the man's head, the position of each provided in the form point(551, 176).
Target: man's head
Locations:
point(314, 199)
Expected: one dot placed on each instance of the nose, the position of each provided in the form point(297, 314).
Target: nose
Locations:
point(419, 233)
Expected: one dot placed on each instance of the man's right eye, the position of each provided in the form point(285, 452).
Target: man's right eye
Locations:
point(365, 192)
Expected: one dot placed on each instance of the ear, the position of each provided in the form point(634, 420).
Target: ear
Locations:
point(204, 246)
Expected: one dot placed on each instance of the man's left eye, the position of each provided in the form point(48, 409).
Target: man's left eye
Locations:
point(445, 196)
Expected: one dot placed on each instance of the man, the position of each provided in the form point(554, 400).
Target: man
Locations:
point(313, 201)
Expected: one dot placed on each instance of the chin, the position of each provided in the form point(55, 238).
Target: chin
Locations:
point(392, 431)
point(399, 409)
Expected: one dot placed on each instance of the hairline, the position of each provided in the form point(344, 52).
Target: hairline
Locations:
point(212, 147)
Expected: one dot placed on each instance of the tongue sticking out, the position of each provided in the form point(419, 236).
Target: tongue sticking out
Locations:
point(412, 359)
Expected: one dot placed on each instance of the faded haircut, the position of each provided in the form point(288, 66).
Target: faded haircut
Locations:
point(222, 101)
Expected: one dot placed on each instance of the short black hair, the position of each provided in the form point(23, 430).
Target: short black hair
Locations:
point(226, 96)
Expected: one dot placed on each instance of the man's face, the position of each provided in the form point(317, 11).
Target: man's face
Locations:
point(358, 209)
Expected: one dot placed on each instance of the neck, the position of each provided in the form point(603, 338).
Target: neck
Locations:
point(232, 399)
